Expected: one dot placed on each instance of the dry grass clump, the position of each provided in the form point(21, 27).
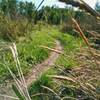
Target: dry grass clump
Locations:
point(20, 87)
point(84, 79)
point(13, 29)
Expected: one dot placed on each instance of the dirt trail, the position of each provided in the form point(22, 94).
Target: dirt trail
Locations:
point(36, 72)
point(45, 65)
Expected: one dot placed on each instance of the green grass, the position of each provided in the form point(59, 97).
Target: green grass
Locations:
point(30, 52)
point(37, 88)
point(71, 45)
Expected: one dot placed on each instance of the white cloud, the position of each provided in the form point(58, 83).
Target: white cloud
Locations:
point(55, 2)
point(61, 5)
point(91, 2)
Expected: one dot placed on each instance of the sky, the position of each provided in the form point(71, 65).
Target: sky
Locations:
point(59, 4)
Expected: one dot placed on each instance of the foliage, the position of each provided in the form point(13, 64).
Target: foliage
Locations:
point(14, 9)
point(87, 22)
point(78, 88)
point(54, 15)
point(97, 7)
point(30, 52)
point(20, 17)
point(70, 45)
point(36, 88)
point(15, 18)
point(10, 30)
point(15, 89)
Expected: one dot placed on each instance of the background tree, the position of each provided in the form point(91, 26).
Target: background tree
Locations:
point(97, 7)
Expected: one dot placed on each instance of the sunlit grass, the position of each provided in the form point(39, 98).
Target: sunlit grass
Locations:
point(30, 52)
point(71, 45)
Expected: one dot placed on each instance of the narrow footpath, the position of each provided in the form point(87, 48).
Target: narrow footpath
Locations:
point(45, 65)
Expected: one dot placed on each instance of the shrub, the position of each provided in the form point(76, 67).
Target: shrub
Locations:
point(12, 29)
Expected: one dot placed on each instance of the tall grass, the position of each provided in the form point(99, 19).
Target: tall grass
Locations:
point(20, 82)
point(85, 40)
point(11, 30)
point(69, 84)
point(30, 52)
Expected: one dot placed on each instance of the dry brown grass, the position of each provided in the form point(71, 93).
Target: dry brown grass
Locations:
point(86, 77)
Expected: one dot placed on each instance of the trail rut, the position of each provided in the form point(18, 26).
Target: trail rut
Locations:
point(45, 65)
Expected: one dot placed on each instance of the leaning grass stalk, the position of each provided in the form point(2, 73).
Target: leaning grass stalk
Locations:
point(90, 86)
point(92, 34)
point(15, 55)
point(68, 98)
point(54, 50)
point(61, 69)
point(85, 40)
point(62, 78)
point(10, 97)
point(39, 94)
point(15, 79)
point(80, 32)
point(23, 80)
point(52, 91)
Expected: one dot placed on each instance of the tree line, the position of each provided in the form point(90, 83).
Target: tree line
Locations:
point(18, 17)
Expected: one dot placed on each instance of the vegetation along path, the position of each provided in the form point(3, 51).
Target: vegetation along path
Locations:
point(40, 68)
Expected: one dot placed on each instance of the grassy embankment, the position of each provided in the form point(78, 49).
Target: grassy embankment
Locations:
point(30, 52)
